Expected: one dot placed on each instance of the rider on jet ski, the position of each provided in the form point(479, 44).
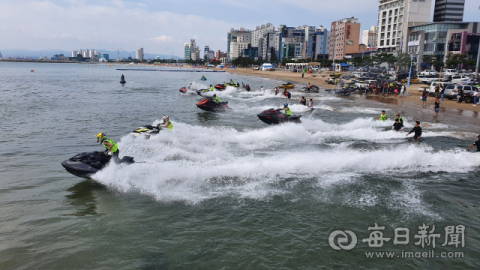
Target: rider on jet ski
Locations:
point(167, 123)
point(211, 88)
point(110, 145)
point(287, 110)
point(217, 99)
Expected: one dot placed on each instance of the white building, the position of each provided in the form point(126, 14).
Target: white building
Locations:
point(74, 53)
point(394, 17)
point(369, 37)
point(259, 31)
point(139, 55)
point(237, 40)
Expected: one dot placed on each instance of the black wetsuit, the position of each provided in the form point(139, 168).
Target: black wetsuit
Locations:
point(397, 126)
point(418, 132)
point(400, 120)
point(303, 102)
point(477, 143)
point(289, 96)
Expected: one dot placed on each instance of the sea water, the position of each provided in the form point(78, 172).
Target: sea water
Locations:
point(225, 190)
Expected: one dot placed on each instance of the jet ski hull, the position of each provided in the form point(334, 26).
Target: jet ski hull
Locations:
point(147, 131)
point(87, 164)
point(219, 87)
point(123, 82)
point(183, 90)
point(275, 117)
point(212, 106)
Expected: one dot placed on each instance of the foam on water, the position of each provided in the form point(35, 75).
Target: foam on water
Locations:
point(193, 163)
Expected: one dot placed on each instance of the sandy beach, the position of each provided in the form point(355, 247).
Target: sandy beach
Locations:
point(319, 80)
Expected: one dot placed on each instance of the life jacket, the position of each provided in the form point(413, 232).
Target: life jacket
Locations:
point(217, 99)
point(169, 125)
point(212, 88)
point(114, 145)
point(288, 111)
point(383, 117)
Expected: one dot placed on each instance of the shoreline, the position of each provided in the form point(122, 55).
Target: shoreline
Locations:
point(319, 79)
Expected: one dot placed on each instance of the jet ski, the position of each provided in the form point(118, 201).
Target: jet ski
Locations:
point(275, 116)
point(123, 82)
point(203, 79)
point(287, 85)
point(199, 92)
point(232, 85)
point(183, 90)
point(219, 87)
point(88, 163)
point(313, 89)
point(211, 106)
point(146, 130)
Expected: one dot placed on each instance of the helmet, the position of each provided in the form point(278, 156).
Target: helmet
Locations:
point(101, 137)
point(166, 118)
point(285, 105)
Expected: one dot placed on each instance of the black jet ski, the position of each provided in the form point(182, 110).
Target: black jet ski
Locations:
point(122, 80)
point(313, 89)
point(146, 130)
point(88, 163)
point(275, 116)
point(211, 106)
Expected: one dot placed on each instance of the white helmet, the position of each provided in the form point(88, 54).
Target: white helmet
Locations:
point(165, 118)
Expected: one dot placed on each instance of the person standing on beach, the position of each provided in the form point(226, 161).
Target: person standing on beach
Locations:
point(418, 131)
point(437, 106)
point(477, 143)
point(475, 97)
point(303, 73)
point(382, 117)
point(442, 92)
point(424, 98)
point(459, 94)
point(402, 90)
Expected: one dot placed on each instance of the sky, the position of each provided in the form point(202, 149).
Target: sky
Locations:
point(164, 26)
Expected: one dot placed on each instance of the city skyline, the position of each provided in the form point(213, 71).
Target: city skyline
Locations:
point(165, 27)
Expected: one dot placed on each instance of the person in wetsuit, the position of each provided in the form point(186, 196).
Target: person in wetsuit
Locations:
point(303, 101)
point(477, 143)
point(397, 126)
point(418, 131)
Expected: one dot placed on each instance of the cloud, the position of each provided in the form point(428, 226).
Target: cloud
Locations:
point(162, 39)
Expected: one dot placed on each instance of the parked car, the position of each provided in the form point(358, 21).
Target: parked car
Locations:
point(465, 82)
point(428, 72)
point(431, 89)
point(412, 80)
point(451, 92)
point(450, 72)
point(256, 67)
point(457, 78)
point(364, 84)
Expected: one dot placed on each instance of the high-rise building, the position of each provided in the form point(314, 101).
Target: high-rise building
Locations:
point(448, 10)
point(188, 51)
point(139, 55)
point(237, 40)
point(369, 37)
point(74, 53)
point(1, 56)
point(344, 38)
point(441, 40)
point(259, 31)
point(394, 18)
point(318, 43)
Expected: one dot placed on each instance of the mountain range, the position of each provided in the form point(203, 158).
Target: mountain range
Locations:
point(49, 53)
